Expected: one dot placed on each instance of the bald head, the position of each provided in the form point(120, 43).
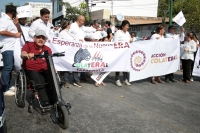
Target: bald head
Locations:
point(80, 20)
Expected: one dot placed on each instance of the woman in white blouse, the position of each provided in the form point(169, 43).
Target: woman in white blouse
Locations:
point(123, 36)
point(65, 34)
point(187, 57)
point(160, 31)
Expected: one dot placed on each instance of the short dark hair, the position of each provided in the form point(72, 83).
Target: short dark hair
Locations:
point(87, 23)
point(44, 11)
point(11, 9)
point(96, 21)
point(108, 23)
point(132, 33)
point(124, 22)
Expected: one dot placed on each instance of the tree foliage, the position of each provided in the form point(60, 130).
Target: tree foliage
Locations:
point(73, 12)
point(190, 10)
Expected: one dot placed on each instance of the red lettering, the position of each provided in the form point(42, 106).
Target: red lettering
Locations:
point(54, 40)
point(120, 45)
point(126, 45)
point(115, 45)
point(97, 64)
point(92, 64)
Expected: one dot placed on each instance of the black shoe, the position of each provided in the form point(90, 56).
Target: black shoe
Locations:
point(167, 80)
point(172, 80)
point(46, 105)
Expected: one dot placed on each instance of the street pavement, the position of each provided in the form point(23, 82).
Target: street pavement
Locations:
point(140, 108)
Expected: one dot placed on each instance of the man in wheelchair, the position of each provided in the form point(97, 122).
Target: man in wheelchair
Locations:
point(36, 68)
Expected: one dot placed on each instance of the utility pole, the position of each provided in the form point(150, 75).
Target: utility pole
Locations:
point(170, 14)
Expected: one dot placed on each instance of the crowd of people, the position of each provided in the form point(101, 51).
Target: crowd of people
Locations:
point(35, 35)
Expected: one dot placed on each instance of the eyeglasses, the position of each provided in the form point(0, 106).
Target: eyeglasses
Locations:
point(41, 37)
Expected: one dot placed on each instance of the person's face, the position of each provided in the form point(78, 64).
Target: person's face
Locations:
point(132, 35)
point(187, 38)
point(22, 21)
point(106, 40)
point(191, 34)
point(126, 27)
point(162, 31)
point(68, 27)
point(81, 21)
point(106, 25)
point(40, 40)
point(45, 17)
point(96, 26)
point(172, 31)
point(14, 14)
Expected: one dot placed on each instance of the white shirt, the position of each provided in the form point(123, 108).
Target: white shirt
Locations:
point(25, 30)
point(6, 24)
point(134, 39)
point(76, 31)
point(155, 36)
point(88, 31)
point(181, 37)
point(120, 36)
point(191, 45)
point(39, 25)
point(64, 34)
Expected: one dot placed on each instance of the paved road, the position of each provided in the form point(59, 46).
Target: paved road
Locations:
point(145, 108)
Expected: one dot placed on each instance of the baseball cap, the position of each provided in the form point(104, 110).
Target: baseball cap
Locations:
point(40, 33)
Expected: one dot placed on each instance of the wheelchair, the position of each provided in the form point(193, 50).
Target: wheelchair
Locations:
point(59, 106)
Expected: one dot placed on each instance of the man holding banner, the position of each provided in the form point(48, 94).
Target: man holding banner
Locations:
point(171, 34)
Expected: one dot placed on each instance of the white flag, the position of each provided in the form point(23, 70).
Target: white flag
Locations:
point(24, 11)
point(179, 18)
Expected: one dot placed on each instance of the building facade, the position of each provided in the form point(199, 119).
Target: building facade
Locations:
point(37, 6)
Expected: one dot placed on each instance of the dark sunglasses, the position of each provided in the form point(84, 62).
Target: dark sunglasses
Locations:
point(41, 37)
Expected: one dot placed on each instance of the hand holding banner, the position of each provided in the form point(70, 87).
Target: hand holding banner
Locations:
point(179, 18)
point(24, 11)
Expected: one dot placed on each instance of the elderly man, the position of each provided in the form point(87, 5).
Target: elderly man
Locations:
point(37, 68)
point(8, 35)
point(41, 24)
point(77, 31)
point(171, 34)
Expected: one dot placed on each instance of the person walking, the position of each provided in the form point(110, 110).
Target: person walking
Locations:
point(65, 34)
point(158, 35)
point(187, 57)
point(171, 34)
point(123, 36)
point(41, 24)
point(8, 36)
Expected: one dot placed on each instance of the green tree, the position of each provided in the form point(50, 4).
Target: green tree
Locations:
point(73, 12)
point(190, 10)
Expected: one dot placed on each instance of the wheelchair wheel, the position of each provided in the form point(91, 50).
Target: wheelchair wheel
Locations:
point(21, 86)
point(63, 117)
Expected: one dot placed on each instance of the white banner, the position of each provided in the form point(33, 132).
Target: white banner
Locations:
point(24, 11)
point(99, 76)
point(179, 18)
point(196, 68)
point(91, 56)
point(154, 58)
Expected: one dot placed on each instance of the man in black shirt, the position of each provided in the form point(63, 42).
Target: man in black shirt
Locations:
point(109, 31)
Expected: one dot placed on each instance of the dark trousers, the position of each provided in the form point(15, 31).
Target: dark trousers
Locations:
point(186, 65)
point(75, 76)
point(125, 75)
point(169, 76)
point(6, 74)
point(40, 78)
point(192, 66)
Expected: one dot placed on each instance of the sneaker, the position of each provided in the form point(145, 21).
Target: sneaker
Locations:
point(66, 85)
point(78, 84)
point(9, 93)
point(12, 88)
point(118, 83)
point(127, 83)
point(191, 79)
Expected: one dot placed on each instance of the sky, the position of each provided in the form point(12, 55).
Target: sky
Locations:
point(17, 2)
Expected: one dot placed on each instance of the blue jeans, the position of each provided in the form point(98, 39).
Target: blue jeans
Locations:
point(6, 75)
point(75, 76)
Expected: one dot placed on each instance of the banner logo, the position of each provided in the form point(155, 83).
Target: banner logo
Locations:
point(81, 54)
point(138, 60)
